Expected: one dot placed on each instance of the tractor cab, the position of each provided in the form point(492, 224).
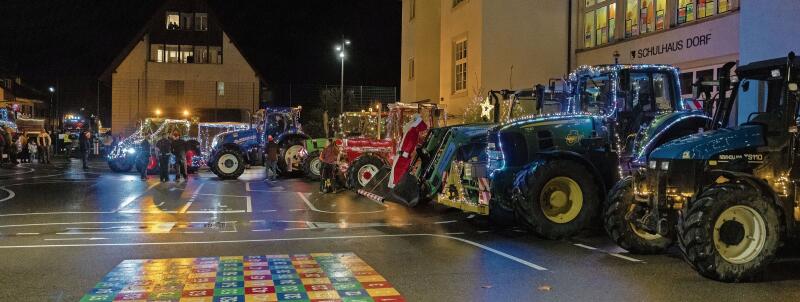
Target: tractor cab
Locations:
point(278, 120)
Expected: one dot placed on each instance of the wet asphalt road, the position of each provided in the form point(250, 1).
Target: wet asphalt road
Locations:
point(62, 229)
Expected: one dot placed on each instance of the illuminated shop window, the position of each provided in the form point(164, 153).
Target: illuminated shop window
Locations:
point(599, 23)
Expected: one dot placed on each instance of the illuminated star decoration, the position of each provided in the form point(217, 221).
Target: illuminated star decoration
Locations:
point(486, 109)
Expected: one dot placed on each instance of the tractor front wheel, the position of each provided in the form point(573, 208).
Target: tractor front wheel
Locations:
point(312, 166)
point(120, 164)
point(229, 164)
point(363, 170)
point(556, 199)
point(290, 156)
point(730, 232)
point(619, 227)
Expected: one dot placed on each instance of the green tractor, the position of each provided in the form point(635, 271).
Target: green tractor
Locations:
point(551, 172)
point(733, 193)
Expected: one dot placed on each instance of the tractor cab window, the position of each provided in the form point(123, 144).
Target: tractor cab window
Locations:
point(276, 121)
point(662, 92)
point(595, 94)
point(648, 92)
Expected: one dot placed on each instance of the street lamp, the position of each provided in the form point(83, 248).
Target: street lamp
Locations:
point(158, 112)
point(185, 113)
point(341, 49)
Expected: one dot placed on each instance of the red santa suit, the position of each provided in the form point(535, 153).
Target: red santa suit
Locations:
point(412, 133)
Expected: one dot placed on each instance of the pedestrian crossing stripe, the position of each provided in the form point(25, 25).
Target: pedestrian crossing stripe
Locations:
point(315, 277)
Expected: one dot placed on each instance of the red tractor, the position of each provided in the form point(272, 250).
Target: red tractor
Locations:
point(365, 156)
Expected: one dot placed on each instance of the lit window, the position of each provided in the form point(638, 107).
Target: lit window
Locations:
point(412, 9)
point(173, 54)
point(705, 8)
point(647, 16)
point(588, 34)
point(724, 6)
point(411, 69)
point(157, 53)
point(589, 3)
point(215, 55)
point(201, 54)
point(221, 88)
point(187, 54)
point(662, 92)
point(632, 18)
point(685, 11)
point(457, 2)
point(460, 68)
point(599, 24)
point(173, 21)
point(201, 21)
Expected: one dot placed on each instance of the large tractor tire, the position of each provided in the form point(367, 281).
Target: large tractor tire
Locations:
point(229, 164)
point(120, 165)
point(363, 170)
point(616, 222)
point(291, 150)
point(312, 166)
point(730, 232)
point(501, 216)
point(557, 199)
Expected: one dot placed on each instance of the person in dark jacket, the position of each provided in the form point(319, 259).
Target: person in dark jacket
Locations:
point(85, 146)
point(179, 150)
point(143, 158)
point(272, 159)
point(164, 146)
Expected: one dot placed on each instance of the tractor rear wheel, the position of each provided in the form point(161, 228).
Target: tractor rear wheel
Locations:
point(616, 222)
point(730, 232)
point(229, 164)
point(312, 166)
point(363, 170)
point(557, 199)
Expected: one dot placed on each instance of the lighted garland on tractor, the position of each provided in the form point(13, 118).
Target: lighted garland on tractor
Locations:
point(729, 196)
point(123, 157)
point(553, 171)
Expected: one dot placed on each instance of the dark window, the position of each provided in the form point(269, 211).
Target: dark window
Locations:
point(686, 83)
point(173, 88)
point(515, 151)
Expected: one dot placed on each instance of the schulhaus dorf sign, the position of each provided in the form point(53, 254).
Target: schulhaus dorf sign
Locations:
point(689, 43)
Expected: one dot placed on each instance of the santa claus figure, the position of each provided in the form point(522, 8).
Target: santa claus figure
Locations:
point(412, 133)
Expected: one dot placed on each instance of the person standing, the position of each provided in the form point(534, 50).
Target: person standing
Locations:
point(179, 150)
point(143, 158)
point(330, 159)
point(272, 159)
point(45, 142)
point(164, 146)
point(85, 147)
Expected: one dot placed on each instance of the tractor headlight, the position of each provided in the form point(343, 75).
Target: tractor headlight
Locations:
point(652, 165)
point(665, 165)
point(130, 150)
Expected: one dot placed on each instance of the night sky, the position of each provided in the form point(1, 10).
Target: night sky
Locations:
point(288, 41)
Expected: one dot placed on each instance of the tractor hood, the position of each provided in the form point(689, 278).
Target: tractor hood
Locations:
point(554, 120)
point(459, 136)
point(661, 126)
point(234, 137)
point(703, 146)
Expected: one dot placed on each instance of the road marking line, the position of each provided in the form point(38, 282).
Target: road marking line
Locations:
point(625, 257)
point(10, 194)
point(185, 207)
point(482, 232)
point(130, 199)
point(222, 195)
point(197, 191)
point(146, 212)
point(585, 246)
point(296, 210)
point(455, 233)
point(478, 245)
point(26, 234)
point(192, 232)
point(214, 212)
point(262, 221)
point(62, 239)
point(249, 204)
point(294, 229)
point(313, 208)
point(52, 213)
point(261, 230)
point(443, 222)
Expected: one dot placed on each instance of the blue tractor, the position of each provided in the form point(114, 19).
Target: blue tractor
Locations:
point(232, 151)
point(729, 197)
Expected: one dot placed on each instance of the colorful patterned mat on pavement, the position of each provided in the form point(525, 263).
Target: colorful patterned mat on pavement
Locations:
point(314, 277)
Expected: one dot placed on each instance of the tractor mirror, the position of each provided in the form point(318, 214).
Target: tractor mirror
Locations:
point(746, 86)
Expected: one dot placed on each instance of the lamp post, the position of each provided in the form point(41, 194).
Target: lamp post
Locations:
point(341, 48)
